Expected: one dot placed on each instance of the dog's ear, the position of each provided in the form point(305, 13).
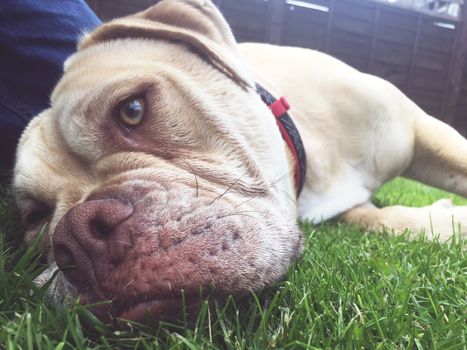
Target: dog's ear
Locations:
point(197, 23)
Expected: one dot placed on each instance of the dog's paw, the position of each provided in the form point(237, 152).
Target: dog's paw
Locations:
point(448, 220)
point(445, 203)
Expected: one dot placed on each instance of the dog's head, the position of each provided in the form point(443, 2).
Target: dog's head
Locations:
point(158, 168)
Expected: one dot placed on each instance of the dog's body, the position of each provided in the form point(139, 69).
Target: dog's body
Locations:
point(200, 190)
point(360, 132)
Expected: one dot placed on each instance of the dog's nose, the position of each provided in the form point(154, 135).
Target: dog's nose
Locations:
point(89, 232)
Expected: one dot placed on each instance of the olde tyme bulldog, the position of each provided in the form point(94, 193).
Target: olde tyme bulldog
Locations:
point(159, 168)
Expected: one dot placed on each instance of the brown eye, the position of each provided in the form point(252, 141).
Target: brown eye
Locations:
point(131, 112)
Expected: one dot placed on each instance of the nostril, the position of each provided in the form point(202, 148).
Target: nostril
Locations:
point(99, 228)
point(64, 257)
point(67, 263)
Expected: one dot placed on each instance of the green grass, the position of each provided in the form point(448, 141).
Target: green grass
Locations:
point(349, 290)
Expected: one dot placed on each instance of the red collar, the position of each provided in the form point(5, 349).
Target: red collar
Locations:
point(289, 133)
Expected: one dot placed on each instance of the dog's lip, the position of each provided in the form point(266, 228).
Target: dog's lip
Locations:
point(157, 310)
point(147, 311)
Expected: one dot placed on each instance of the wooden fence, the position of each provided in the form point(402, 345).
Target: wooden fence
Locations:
point(424, 55)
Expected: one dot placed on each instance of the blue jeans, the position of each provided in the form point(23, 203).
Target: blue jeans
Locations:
point(36, 36)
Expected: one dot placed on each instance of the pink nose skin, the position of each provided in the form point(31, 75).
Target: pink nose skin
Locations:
point(87, 234)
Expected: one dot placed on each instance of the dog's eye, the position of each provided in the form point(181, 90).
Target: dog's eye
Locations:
point(131, 112)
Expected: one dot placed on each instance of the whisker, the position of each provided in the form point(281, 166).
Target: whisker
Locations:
point(194, 174)
point(128, 284)
point(227, 190)
point(123, 243)
point(273, 184)
point(240, 214)
point(287, 195)
point(266, 213)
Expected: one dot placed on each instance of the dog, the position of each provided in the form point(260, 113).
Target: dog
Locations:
point(161, 171)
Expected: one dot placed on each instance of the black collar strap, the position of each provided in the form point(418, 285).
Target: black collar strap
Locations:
point(289, 133)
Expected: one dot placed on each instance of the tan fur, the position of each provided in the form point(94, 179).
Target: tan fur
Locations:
point(207, 135)
point(359, 132)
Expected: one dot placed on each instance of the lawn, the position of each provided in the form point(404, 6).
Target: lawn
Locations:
point(349, 290)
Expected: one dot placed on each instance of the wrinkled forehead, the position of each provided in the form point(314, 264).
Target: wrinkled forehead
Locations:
point(115, 60)
point(104, 69)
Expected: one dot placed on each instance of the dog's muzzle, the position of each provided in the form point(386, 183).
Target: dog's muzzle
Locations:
point(145, 247)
